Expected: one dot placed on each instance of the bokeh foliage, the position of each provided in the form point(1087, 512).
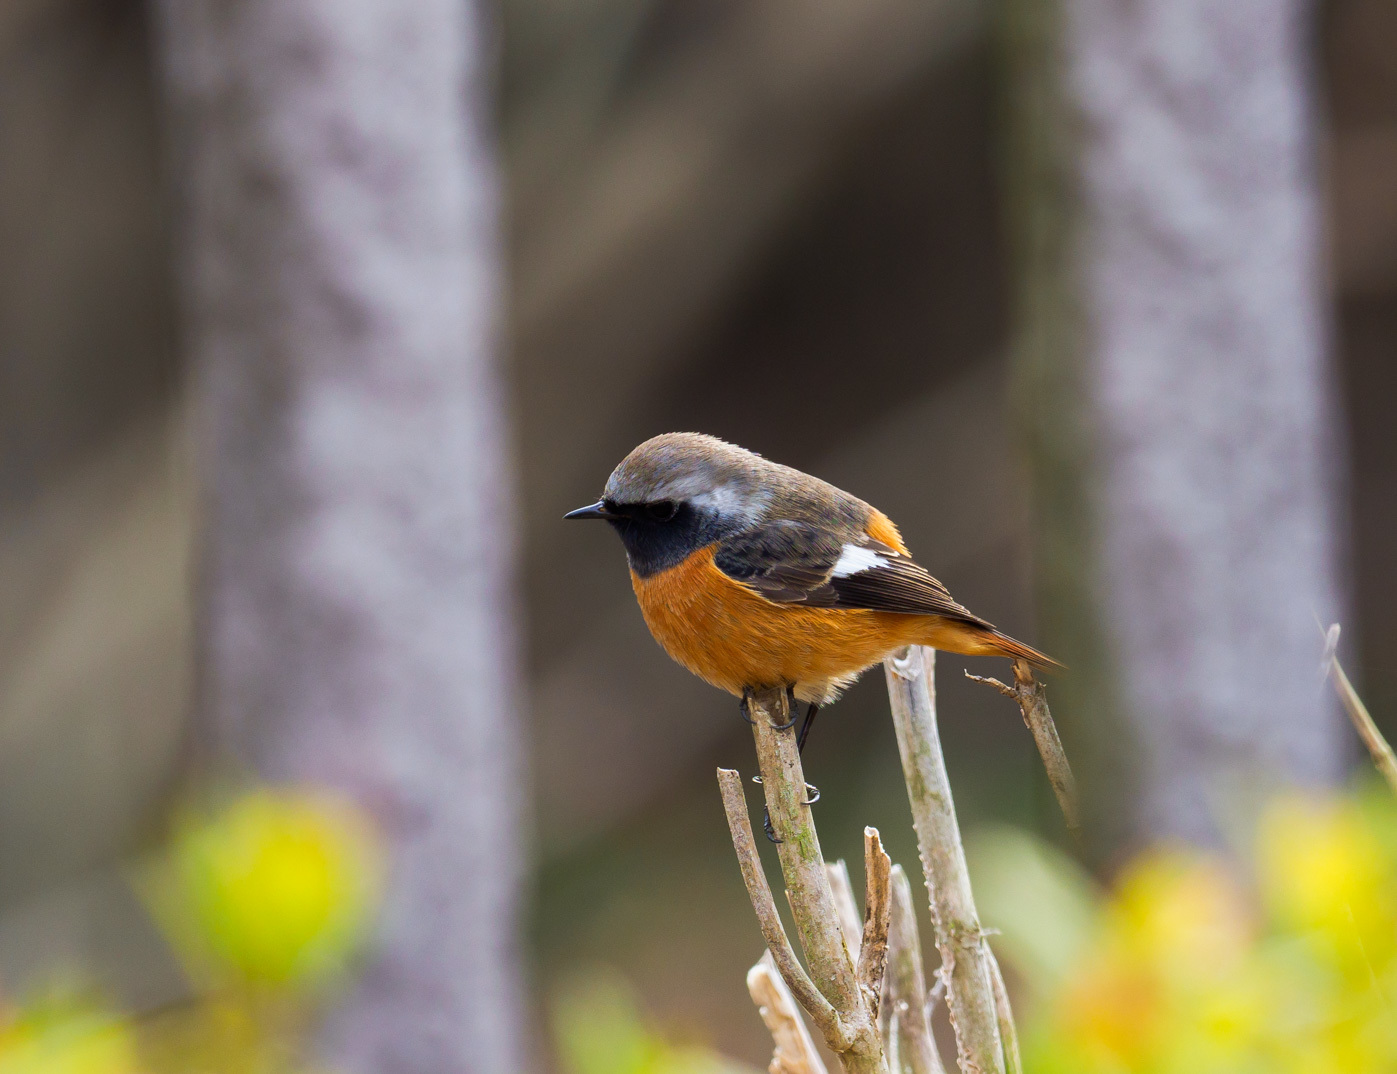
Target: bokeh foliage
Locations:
point(599, 1028)
point(1191, 964)
point(1281, 959)
point(267, 899)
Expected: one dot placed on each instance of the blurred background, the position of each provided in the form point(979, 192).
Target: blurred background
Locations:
point(1100, 306)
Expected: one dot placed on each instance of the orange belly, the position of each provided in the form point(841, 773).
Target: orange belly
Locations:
point(731, 637)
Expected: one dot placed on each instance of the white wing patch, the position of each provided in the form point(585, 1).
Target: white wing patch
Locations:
point(853, 560)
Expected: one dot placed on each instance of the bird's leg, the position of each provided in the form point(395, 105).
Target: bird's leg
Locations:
point(805, 727)
point(743, 706)
point(810, 788)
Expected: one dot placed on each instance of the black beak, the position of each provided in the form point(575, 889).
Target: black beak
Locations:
point(592, 510)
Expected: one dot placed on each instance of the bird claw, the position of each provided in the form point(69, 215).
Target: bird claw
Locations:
point(791, 708)
point(745, 707)
point(810, 789)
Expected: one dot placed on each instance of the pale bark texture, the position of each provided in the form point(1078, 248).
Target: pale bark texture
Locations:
point(965, 956)
point(340, 266)
point(908, 1039)
point(1174, 377)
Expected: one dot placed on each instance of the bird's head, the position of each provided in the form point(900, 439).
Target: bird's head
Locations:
point(677, 493)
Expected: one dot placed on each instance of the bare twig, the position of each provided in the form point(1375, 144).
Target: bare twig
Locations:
point(1033, 703)
point(845, 903)
point(1378, 747)
point(795, 1051)
point(1008, 1033)
point(842, 1014)
point(964, 954)
point(877, 909)
point(802, 865)
point(777, 943)
point(908, 1040)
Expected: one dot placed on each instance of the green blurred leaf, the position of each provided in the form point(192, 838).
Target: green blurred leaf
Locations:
point(1043, 903)
point(599, 1029)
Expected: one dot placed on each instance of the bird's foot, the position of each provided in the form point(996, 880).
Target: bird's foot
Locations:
point(791, 708)
point(810, 789)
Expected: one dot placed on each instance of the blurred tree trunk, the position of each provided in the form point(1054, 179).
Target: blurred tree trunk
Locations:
point(1172, 370)
point(341, 267)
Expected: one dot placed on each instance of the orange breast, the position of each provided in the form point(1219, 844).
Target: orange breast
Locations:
point(733, 638)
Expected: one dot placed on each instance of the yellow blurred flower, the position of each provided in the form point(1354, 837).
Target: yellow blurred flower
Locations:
point(63, 1039)
point(1111, 1013)
point(1324, 870)
point(1166, 986)
point(1184, 975)
point(280, 885)
point(1182, 914)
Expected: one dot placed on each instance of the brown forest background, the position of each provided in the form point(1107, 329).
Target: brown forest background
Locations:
point(779, 224)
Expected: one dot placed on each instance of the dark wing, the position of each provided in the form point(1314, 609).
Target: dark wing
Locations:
point(797, 563)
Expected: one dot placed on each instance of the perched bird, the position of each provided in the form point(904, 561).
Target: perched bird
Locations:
point(755, 575)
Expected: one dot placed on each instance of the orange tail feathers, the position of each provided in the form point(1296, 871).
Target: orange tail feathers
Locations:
point(972, 639)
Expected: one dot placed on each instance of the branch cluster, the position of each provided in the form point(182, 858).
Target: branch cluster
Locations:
point(842, 989)
point(865, 989)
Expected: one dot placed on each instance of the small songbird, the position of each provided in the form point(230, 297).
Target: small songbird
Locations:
point(754, 575)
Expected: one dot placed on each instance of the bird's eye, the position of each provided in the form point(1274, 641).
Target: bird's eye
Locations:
point(663, 511)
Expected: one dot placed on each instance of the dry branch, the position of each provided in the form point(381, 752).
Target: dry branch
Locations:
point(777, 943)
point(908, 1040)
point(877, 903)
point(1358, 712)
point(964, 953)
point(845, 903)
point(1009, 1034)
point(837, 1006)
point(802, 864)
point(795, 1052)
point(1033, 703)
